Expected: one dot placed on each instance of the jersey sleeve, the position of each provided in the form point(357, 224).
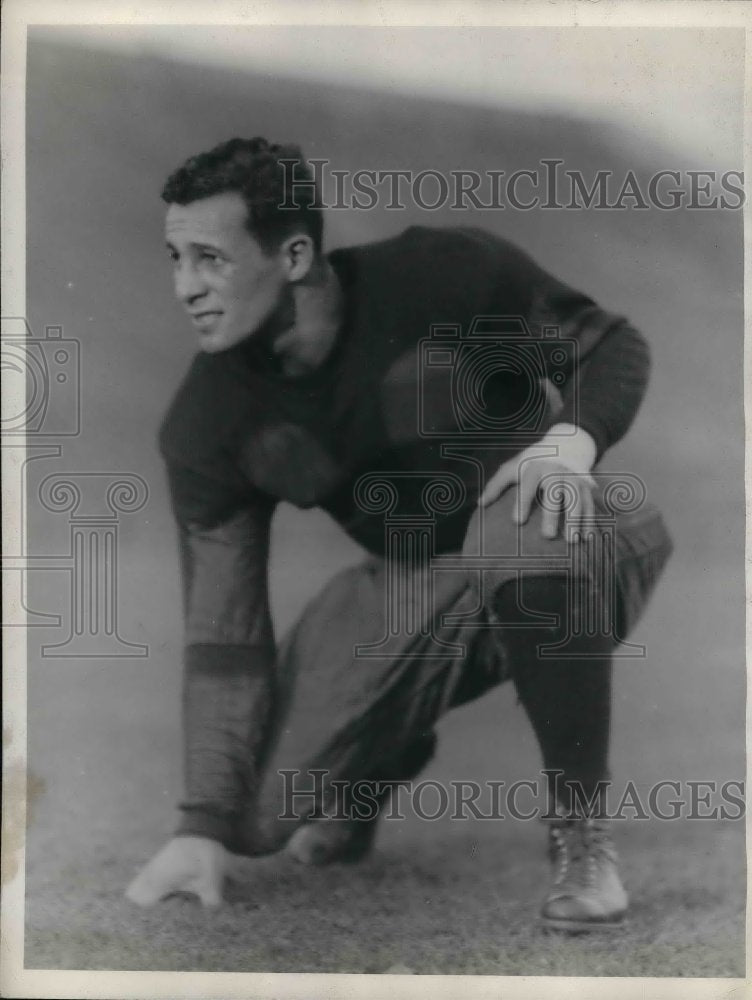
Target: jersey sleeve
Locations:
point(607, 361)
point(229, 651)
point(596, 359)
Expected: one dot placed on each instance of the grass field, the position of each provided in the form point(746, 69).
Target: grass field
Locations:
point(452, 903)
point(435, 897)
point(104, 735)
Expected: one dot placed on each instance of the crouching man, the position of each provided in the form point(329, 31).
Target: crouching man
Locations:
point(446, 401)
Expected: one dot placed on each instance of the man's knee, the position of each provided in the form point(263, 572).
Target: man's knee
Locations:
point(498, 550)
point(286, 799)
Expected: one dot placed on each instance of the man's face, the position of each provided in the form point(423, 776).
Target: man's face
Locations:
point(226, 283)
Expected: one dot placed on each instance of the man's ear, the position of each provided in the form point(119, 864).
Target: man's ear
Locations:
point(299, 254)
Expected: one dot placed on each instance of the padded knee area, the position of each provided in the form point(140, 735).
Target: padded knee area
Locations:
point(520, 548)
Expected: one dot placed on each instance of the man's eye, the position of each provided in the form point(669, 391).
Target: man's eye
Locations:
point(174, 256)
point(207, 255)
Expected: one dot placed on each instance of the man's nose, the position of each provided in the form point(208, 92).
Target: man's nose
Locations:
point(189, 284)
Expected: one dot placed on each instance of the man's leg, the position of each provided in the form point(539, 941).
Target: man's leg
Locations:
point(360, 693)
point(351, 839)
point(568, 702)
point(561, 610)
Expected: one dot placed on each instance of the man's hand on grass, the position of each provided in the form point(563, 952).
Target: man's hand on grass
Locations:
point(185, 864)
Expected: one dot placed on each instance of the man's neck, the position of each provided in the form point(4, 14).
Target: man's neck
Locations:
point(318, 306)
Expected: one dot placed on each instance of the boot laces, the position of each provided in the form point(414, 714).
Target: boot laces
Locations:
point(580, 850)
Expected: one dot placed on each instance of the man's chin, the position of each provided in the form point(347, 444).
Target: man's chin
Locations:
point(215, 343)
point(211, 345)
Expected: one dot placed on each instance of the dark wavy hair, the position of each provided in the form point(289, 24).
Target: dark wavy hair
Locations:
point(255, 169)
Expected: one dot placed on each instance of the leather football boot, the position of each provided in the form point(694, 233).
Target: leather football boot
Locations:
point(587, 893)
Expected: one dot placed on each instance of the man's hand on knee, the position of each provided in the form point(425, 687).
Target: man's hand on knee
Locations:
point(561, 482)
point(185, 864)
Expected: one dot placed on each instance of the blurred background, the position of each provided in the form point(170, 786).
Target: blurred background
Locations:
point(110, 112)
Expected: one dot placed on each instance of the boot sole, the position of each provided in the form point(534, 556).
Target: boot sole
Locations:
point(583, 926)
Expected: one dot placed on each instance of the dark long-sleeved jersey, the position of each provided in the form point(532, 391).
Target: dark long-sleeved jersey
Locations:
point(451, 340)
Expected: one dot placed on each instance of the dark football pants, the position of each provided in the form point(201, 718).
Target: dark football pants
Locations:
point(389, 646)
